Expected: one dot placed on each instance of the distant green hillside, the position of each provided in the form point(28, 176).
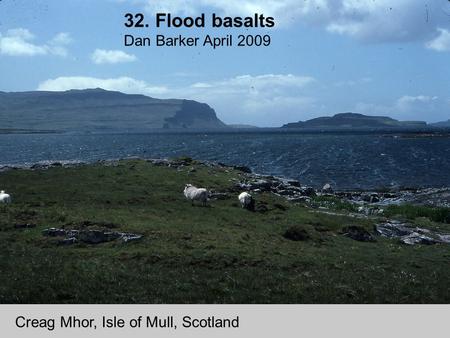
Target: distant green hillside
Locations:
point(353, 120)
point(101, 110)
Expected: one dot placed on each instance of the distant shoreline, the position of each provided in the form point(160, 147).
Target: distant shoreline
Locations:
point(28, 131)
point(428, 132)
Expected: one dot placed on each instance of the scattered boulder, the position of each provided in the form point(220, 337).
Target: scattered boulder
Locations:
point(369, 211)
point(346, 194)
point(296, 233)
point(393, 229)
point(262, 185)
point(327, 189)
point(417, 238)
point(378, 212)
point(308, 191)
point(284, 192)
point(293, 183)
point(371, 198)
point(365, 197)
point(409, 234)
point(128, 237)
point(89, 236)
point(374, 198)
point(288, 188)
point(358, 233)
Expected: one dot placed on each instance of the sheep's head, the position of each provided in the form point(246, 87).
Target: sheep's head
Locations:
point(186, 187)
point(2, 191)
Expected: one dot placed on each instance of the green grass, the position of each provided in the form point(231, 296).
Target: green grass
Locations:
point(193, 254)
point(441, 215)
point(333, 202)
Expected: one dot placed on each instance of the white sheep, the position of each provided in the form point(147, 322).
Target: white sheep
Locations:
point(247, 201)
point(4, 197)
point(196, 194)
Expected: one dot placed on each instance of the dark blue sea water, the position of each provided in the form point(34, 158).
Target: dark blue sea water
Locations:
point(347, 161)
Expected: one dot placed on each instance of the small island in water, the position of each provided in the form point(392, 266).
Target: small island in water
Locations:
point(355, 121)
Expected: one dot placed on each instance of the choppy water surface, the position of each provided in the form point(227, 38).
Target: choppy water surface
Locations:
point(346, 161)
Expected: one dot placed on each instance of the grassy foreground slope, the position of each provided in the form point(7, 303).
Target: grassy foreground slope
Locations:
point(194, 254)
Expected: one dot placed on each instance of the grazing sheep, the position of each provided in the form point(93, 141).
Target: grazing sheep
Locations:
point(4, 197)
point(247, 201)
point(196, 194)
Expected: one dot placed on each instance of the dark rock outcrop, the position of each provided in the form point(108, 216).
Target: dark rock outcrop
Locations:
point(358, 233)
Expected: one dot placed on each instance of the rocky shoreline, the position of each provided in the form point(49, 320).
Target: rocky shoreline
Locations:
point(291, 189)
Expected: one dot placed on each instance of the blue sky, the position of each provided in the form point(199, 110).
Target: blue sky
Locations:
point(376, 57)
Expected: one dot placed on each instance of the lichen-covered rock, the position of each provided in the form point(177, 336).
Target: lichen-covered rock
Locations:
point(409, 234)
